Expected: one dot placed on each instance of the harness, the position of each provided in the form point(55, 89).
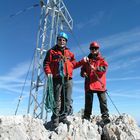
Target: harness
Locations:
point(63, 62)
point(96, 75)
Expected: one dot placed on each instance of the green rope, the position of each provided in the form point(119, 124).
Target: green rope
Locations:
point(50, 102)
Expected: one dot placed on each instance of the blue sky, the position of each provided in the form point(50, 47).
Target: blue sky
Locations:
point(114, 24)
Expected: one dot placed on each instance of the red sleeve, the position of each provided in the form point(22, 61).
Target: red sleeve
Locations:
point(83, 70)
point(46, 63)
point(75, 63)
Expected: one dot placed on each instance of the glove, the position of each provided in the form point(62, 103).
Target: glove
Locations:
point(86, 59)
point(101, 68)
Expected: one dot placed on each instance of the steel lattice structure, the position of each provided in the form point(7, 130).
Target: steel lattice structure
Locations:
point(54, 18)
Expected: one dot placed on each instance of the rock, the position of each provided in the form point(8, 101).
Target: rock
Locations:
point(27, 128)
point(122, 128)
point(21, 128)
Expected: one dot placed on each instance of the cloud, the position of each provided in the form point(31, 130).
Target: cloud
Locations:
point(93, 21)
point(19, 70)
point(124, 51)
point(122, 79)
point(11, 85)
point(76, 82)
point(13, 81)
point(120, 39)
point(128, 40)
point(125, 94)
point(121, 63)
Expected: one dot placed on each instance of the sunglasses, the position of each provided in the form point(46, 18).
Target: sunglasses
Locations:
point(61, 39)
point(94, 48)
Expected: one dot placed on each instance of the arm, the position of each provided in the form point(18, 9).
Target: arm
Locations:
point(47, 62)
point(83, 72)
point(77, 64)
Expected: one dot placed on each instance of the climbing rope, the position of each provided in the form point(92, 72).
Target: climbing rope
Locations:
point(49, 102)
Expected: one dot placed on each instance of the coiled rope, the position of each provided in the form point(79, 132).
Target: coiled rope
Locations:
point(50, 103)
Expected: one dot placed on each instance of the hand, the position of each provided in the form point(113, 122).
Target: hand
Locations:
point(49, 75)
point(85, 75)
point(92, 67)
point(86, 59)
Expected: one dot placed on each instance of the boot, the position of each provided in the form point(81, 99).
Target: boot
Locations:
point(54, 126)
point(86, 117)
point(55, 122)
point(106, 120)
point(65, 121)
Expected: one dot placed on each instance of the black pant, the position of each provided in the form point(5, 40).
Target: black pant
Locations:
point(89, 101)
point(62, 97)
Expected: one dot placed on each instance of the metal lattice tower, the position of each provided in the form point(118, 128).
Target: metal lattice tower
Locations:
point(54, 18)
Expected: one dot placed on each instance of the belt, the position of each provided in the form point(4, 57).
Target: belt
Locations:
point(65, 78)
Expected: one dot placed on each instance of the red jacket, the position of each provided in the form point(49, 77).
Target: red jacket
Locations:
point(54, 56)
point(96, 79)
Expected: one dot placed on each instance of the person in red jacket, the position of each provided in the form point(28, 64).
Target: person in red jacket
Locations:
point(60, 62)
point(94, 72)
